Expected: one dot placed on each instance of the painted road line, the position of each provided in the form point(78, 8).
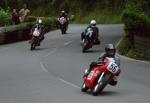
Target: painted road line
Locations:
point(132, 59)
point(67, 43)
point(119, 42)
point(4, 49)
point(43, 67)
point(71, 84)
point(51, 52)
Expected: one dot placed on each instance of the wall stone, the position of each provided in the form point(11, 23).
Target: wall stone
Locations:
point(142, 46)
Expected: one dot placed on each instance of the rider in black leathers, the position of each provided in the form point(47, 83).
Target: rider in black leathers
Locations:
point(94, 29)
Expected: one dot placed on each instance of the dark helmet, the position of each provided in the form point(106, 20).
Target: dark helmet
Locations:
point(110, 50)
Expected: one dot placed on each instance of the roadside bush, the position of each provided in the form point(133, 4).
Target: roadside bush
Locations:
point(136, 22)
point(5, 17)
point(49, 23)
point(31, 19)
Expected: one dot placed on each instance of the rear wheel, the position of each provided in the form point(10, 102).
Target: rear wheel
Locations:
point(84, 88)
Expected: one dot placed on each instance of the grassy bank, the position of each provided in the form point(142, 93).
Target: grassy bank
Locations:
point(83, 16)
point(101, 16)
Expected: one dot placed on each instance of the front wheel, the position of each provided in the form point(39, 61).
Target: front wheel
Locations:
point(32, 46)
point(101, 85)
point(98, 88)
point(63, 30)
point(84, 88)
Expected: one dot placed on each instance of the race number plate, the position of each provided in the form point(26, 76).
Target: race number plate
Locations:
point(90, 75)
point(113, 68)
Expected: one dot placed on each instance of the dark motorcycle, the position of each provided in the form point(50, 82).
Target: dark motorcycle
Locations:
point(96, 40)
point(86, 44)
point(63, 24)
point(87, 40)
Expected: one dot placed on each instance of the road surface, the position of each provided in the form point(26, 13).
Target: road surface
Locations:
point(53, 72)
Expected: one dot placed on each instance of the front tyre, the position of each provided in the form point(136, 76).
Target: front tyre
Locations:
point(96, 90)
point(84, 88)
point(32, 46)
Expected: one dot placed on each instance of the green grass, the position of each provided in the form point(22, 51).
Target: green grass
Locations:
point(102, 17)
point(84, 17)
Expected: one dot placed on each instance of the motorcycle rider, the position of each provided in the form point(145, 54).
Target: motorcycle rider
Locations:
point(110, 51)
point(88, 35)
point(65, 15)
point(40, 27)
point(94, 29)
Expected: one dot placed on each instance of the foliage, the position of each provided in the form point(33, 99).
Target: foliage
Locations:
point(136, 22)
point(5, 17)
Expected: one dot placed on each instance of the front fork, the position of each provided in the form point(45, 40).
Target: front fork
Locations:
point(103, 78)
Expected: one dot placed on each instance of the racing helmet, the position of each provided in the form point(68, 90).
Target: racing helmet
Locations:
point(62, 11)
point(40, 21)
point(93, 23)
point(110, 50)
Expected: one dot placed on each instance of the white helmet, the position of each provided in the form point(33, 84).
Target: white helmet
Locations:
point(62, 11)
point(40, 21)
point(93, 22)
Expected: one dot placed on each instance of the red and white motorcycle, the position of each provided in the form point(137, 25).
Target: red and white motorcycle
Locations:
point(62, 24)
point(100, 76)
point(35, 40)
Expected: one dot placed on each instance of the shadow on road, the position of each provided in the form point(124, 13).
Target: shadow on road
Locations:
point(104, 93)
point(108, 93)
point(92, 51)
point(39, 49)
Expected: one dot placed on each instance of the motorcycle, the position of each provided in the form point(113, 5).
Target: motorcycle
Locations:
point(86, 44)
point(100, 76)
point(35, 40)
point(63, 24)
point(96, 40)
point(87, 40)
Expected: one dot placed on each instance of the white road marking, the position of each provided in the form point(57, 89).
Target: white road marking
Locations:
point(62, 80)
point(4, 49)
point(43, 67)
point(67, 43)
point(71, 84)
point(132, 59)
point(119, 42)
point(54, 50)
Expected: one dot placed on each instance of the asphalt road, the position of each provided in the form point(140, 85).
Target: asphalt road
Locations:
point(53, 72)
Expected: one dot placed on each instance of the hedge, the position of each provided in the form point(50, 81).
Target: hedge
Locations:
point(21, 31)
point(136, 22)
